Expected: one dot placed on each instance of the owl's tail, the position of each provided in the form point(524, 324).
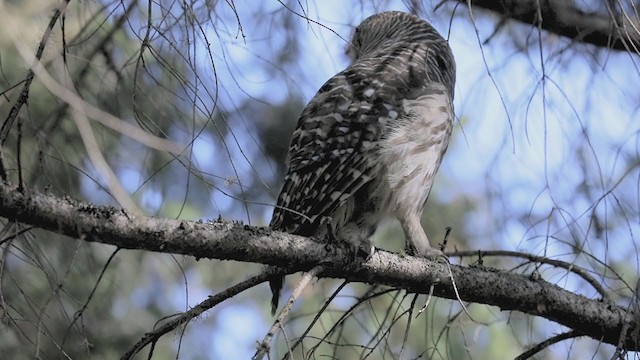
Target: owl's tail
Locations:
point(276, 285)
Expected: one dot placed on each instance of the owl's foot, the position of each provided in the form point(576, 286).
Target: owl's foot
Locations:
point(429, 253)
point(359, 250)
point(359, 247)
point(366, 250)
point(437, 255)
point(356, 243)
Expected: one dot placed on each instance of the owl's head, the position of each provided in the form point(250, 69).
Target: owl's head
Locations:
point(395, 34)
point(390, 28)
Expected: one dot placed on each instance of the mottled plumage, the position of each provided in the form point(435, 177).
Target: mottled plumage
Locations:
point(371, 140)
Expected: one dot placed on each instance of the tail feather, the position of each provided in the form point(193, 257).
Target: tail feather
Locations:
point(276, 285)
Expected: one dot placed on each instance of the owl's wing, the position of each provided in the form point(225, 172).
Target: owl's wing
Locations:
point(331, 152)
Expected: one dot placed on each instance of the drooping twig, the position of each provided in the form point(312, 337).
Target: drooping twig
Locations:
point(583, 273)
point(24, 94)
point(370, 294)
point(263, 347)
point(153, 336)
point(406, 330)
point(550, 341)
point(316, 318)
point(78, 314)
point(426, 303)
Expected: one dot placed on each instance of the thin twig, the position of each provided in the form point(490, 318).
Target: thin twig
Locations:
point(620, 348)
point(367, 296)
point(94, 112)
point(384, 336)
point(78, 314)
point(316, 318)
point(583, 273)
point(426, 304)
point(455, 289)
point(263, 347)
point(24, 94)
point(550, 341)
point(17, 233)
point(447, 232)
point(632, 310)
point(153, 336)
point(406, 330)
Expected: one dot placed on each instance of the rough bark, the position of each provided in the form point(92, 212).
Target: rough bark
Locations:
point(611, 30)
point(228, 240)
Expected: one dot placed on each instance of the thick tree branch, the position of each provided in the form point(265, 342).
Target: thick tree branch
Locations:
point(234, 241)
point(611, 30)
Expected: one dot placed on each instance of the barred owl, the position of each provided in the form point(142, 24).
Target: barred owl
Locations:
point(371, 140)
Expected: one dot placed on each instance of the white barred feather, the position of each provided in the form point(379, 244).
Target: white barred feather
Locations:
point(371, 140)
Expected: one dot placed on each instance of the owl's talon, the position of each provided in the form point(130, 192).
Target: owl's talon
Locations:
point(431, 254)
point(366, 250)
point(372, 250)
point(359, 252)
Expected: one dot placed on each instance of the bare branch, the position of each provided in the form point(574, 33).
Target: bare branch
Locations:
point(234, 241)
point(564, 18)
